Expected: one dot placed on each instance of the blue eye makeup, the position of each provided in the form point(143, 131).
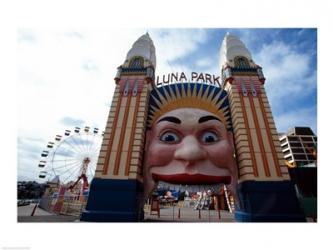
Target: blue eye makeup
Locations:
point(169, 137)
point(209, 137)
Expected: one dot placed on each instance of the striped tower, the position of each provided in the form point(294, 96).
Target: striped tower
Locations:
point(264, 190)
point(117, 189)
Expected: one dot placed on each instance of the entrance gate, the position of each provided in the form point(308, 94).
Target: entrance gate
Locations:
point(189, 207)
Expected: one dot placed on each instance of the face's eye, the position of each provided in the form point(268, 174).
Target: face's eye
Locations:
point(209, 137)
point(169, 137)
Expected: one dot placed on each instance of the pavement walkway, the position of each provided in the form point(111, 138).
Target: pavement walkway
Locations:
point(167, 214)
point(173, 214)
point(40, 215)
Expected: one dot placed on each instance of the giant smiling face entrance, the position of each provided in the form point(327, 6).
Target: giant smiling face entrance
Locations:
point(188, 144)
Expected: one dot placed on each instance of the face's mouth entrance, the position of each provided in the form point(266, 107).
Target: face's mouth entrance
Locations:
point(191, 183)
point(195, 179)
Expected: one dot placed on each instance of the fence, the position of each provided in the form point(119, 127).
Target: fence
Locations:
point(62, 204)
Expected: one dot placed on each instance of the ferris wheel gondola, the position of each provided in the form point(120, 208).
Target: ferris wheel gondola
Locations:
point(72, 156)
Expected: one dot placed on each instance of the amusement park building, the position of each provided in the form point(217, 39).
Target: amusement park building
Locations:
point(299, 146)
point(263, 184)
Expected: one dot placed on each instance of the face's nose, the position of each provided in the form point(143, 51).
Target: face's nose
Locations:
point(190, 150)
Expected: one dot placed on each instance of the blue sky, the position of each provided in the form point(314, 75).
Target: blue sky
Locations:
point(65, 76)
point(289, 61)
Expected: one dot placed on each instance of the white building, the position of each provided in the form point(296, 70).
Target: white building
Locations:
point(299, 146)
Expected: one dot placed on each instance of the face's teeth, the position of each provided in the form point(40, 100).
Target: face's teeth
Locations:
point(215, 188)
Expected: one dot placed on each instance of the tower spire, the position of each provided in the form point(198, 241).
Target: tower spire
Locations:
point(236, 59)
point(119, 168)
point(262, 171)
point(232, 47)
point(144, 48)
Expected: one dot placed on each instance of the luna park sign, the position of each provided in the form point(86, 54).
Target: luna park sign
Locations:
point(194, 77)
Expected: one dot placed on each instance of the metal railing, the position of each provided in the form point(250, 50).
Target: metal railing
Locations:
point(63, 205)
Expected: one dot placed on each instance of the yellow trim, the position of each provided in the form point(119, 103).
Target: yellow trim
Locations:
point(290, 165)
point(189, 99)
point(188, 102)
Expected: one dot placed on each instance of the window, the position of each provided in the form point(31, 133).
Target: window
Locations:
point(295, 144)
point(241, 62)
point(136, 62)
point(307, 139)
point(309, 145)
point(299, 157)
point(293, 138)
point(298, 150)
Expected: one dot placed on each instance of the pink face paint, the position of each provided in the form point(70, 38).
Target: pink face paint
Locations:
point(195, 151)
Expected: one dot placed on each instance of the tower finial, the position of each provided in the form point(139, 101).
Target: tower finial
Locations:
point(143, 47)
point(231, 48)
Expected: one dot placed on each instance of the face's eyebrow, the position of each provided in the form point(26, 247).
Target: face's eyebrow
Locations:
point(208, 118)
point(170, 119)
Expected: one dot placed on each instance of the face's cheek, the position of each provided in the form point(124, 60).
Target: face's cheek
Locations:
point(221, 154)
point(160, 154)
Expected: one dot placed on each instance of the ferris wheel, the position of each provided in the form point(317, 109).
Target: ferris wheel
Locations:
point(72, 157)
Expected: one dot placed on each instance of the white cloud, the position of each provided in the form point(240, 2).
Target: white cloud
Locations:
point(294, 118)
point(64, 74)
point(29, 149)
point(289, 80)
point(283, 62)
point(204, 62)
point(286, 70)
point(174, 44)
point(177, 43)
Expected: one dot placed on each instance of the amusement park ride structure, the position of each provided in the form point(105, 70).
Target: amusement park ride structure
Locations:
point(72, 158)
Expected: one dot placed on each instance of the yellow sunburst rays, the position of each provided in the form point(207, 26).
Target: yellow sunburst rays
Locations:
point(195, 97)
point(224, 111)
point(173, 95)
point(213, 105)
